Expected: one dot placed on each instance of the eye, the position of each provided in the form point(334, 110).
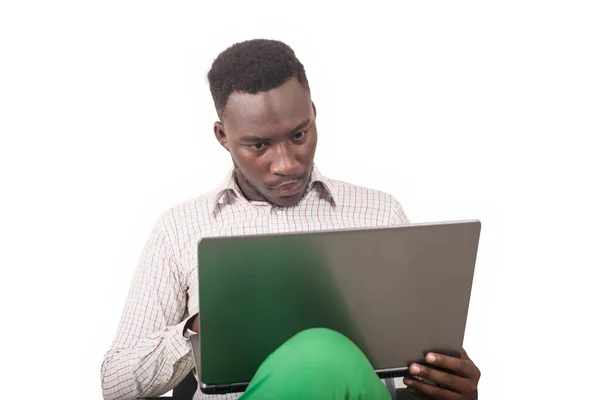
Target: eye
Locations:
point(258, 146)
point(299, 135)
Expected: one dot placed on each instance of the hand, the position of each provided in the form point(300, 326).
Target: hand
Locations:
point(459, 383)
point(193, 324)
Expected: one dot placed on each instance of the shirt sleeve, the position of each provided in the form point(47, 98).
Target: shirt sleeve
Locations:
point(398, 216)
point(150, 353)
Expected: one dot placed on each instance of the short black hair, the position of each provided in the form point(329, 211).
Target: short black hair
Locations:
point(253, 66)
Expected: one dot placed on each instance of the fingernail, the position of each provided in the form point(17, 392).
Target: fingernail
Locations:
point(408, 381)
point(415, 369)
point(430, 358)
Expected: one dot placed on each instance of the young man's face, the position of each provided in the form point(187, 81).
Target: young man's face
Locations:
point(272, 137)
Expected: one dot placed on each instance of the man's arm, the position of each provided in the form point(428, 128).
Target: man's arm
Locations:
point(150, 353)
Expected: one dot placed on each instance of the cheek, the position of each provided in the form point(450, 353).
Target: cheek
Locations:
point(249, 163)
point(311, 145)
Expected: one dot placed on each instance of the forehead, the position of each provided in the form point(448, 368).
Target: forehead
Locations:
point(268, 112)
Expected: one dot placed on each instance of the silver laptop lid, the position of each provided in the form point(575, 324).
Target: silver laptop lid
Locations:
point(397, 292)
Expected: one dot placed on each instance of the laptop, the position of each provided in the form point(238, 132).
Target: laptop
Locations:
point(396, 292)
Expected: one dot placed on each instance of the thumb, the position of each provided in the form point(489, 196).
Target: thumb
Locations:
point(464, 355)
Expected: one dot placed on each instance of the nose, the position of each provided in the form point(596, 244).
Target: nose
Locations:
point(285, 161)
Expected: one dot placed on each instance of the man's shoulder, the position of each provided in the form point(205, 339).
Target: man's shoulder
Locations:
point(193, 209)
point(352, 197)
point(350, 193)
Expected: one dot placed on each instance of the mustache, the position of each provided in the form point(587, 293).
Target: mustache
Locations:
point(301, 177)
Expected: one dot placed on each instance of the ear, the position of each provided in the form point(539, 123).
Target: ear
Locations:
point(220, 134)
point(314, 108)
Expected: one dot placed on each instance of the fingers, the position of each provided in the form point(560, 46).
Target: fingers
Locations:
point(450, 377)
point(459, 366)
point(433, 392)
point(446, 382)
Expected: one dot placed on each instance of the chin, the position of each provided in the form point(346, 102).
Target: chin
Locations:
point(288, 201)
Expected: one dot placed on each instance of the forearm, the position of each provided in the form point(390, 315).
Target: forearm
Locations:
point(150, 368)
point(151, 352)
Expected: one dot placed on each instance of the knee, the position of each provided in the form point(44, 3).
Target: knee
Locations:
point(320, 337)
point(319, 344)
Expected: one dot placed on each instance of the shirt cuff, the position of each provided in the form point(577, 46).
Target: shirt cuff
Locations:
point(188, 332)
point(188, 323)
point(179, 344)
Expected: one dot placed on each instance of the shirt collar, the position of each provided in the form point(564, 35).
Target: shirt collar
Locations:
point(229, 191)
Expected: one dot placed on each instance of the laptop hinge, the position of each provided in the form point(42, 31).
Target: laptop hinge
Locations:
point(222, 388)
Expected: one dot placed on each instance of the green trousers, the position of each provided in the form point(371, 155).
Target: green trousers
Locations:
point(316, 364)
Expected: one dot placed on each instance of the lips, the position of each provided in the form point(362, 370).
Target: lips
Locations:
point(289, 188)
point(288, 185)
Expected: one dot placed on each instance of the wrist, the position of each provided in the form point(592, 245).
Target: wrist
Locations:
point(193, 324)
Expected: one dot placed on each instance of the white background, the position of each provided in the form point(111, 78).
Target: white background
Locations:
point(460, 109)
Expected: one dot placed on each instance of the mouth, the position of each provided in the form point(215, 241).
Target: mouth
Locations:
point(289, 189)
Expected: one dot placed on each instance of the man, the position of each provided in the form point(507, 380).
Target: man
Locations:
point(267, 123)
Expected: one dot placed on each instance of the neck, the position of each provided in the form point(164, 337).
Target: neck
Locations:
point(248, 190)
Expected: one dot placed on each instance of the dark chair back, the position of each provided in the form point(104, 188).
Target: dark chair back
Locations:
point(186, 388)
